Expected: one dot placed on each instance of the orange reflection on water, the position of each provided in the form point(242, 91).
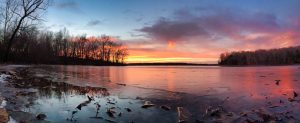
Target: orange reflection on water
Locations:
point(251, 84)
point(170, 80)
point(286, 84)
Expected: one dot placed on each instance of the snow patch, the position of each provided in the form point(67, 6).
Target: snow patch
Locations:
point(3, 104)
point(11, 120)
point(3, 78)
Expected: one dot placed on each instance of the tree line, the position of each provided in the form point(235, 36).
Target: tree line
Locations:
point(21, 41)
point(281, 56)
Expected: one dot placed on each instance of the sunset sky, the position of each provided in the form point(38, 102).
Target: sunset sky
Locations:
point(194, 31)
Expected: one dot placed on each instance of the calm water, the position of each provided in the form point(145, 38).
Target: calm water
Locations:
point(192, 87)
point(196, 80)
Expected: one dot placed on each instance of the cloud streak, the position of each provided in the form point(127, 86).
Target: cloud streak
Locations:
point(224, 23)
point(173, 30)
point(94, 23)
point(216, 30)
point(69, 5)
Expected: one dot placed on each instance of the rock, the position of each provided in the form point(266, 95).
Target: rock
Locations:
point(183, 115)
point(295, 94)
point(214, 112)
point(85, 103)
point(90, 98)
point(229, 114)
point(12, 73)
point(164, 107)
point(291, 99)
point(110, 112)
point(74, 112)
point(128, 109)
point(277, 82)
point(41, 116)
point(4, 118)
point(121, 84)
point(147, 104)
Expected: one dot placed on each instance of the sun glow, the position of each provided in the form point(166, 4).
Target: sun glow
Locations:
point(171, 44)
point(150, 59)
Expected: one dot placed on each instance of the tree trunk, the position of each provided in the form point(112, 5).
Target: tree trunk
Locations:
point(10, 42)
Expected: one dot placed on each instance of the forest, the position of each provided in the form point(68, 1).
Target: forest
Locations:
point(23, 40)
point(281, 56)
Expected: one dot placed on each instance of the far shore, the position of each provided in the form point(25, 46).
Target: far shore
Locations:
point(156, 64)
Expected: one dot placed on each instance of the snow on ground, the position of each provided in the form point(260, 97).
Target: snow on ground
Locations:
point(3, 77)
point(3, 104)
point(11, 120)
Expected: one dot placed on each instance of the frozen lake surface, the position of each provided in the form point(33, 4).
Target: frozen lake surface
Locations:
point(238, 90)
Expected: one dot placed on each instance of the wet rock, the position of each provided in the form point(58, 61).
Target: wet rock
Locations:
point(12, 73)
point(90, 98)
point(98, 106)
point(41, 116)
point(96, 117)
point(164, 107)
point(83, 104)
point(139, 98)
point(110, 112)
point(183, 115)
point(214, 112)
point(128, 109)
point(243, 114)
point(291, 99)
point(229, 114)
point(295, 94)
point(277, 82)
point(274, 106)
point(74, 112)
point(111, 101)
point(121, 84)
point(147, 104)
point(280, 101)
point(4, 117)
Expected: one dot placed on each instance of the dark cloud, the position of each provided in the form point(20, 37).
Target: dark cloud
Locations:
point(94, 23)
point(174, 30)
point(69, 5)
point(209, 23)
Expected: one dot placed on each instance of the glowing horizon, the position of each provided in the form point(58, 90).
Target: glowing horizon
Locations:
point(192, 31)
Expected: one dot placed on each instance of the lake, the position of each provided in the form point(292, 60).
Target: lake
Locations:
point(206, 93)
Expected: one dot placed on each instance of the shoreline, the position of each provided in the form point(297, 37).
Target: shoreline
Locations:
point(153, 64)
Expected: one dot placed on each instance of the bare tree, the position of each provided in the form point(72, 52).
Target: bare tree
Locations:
point(23, 11)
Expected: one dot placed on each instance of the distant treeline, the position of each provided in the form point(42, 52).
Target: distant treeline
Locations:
point(169, 64)
point(21, 41)
point(282, 56)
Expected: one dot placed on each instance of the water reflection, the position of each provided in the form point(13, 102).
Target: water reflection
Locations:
point(247, 88)
point(194, 80)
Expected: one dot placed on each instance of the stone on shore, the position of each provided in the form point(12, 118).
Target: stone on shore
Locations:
point(4, 118)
